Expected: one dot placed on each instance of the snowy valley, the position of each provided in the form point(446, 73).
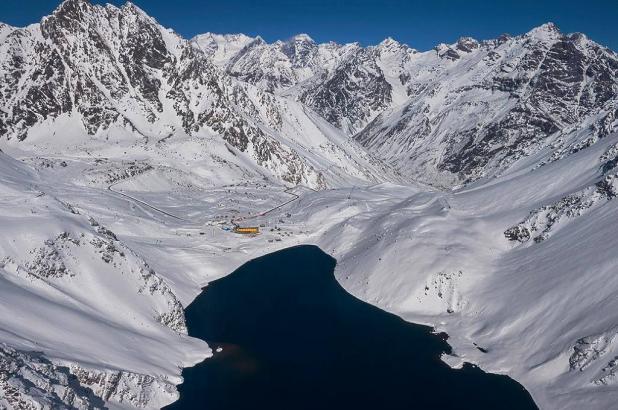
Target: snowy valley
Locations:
point(470, 187)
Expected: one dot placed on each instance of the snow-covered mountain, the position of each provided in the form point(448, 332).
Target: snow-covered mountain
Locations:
point(110, 72)
point(72, 289)
point(458, 112)
point(445, 116)
point(476, 108)
point(470, 187)
point(279, 67)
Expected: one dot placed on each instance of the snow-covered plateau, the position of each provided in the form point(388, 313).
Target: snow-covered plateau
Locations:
point(470, 187)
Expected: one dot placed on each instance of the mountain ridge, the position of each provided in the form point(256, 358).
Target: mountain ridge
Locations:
point(374, 82)
point(378, 96)
point(116, 71)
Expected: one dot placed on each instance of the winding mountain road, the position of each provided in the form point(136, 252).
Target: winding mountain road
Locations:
point(234, 222)
point(139, 201)
point(287, 191)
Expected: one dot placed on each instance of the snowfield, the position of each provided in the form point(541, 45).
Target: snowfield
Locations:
point(544, 312)
point(452, 190)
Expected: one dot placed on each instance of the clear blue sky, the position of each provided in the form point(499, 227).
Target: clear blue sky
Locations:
point(421, 24)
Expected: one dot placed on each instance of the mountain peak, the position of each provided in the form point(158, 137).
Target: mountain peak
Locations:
point(302, 37)
point(579, 38)
point(72, 2)
point(467, 44)
point(68, 5)
point(73, 8)
point(549, 26)
point(546, 31)
point(298, 48)
point(70, 11)
point(227, 38)
point(388, 42)
point(134, 9)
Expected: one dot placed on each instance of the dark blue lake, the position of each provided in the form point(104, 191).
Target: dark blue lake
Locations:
point(293, 338)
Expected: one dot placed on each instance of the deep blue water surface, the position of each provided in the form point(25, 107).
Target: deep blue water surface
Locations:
point(293, 338)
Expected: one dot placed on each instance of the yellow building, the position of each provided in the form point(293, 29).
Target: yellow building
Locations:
point(247, 230)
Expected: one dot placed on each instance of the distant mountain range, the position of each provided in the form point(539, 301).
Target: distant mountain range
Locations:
point(446, 116)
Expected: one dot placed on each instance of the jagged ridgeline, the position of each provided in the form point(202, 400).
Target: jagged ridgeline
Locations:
point(449, 115)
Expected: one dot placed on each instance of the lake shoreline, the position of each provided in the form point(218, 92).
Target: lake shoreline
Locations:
point(285, 334)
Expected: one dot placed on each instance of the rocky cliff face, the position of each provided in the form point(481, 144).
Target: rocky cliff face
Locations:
point(361, 87)
point(116, 68)
point(28, 380)
point(477, 108)
point(278, 67)
point(450, 115)
point(456, 113)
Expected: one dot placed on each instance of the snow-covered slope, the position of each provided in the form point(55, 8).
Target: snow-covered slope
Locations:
point(114, 73)
point(279, 67)
point(477, 108)
point(73, 290)
point(466, 261)
point(221, 48)
point(127, 148)
point(453, 114)
point(541, 304)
